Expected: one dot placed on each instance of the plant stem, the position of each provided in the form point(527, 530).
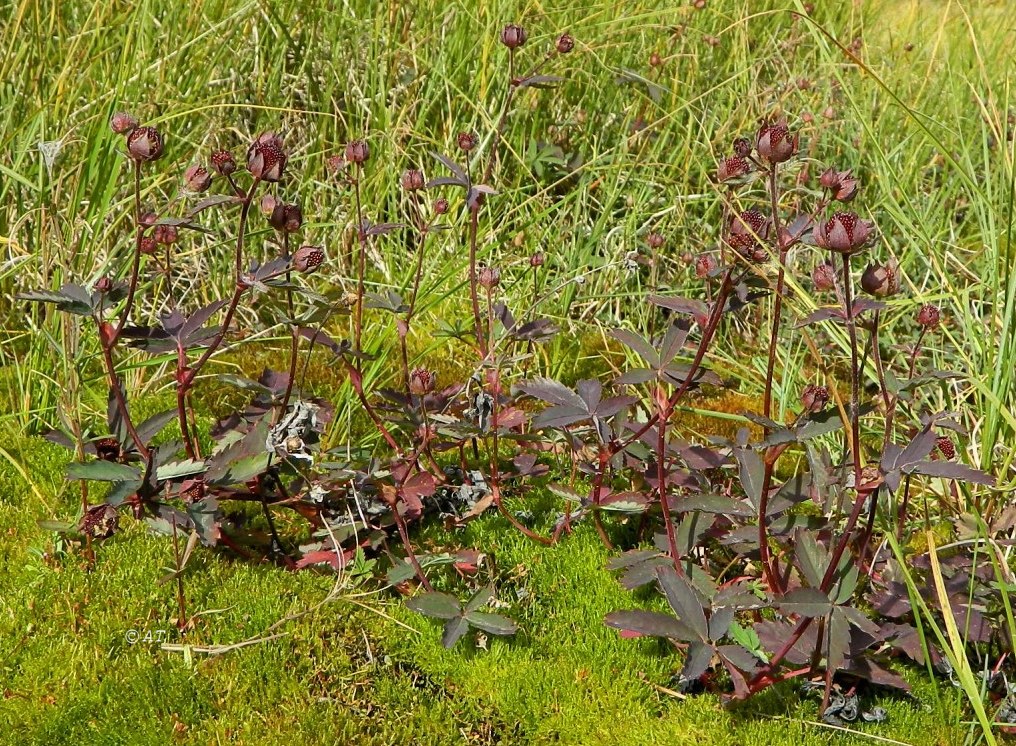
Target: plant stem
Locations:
point(136, 262)
point(474, 297)
point(361, 238)
point(294, 348)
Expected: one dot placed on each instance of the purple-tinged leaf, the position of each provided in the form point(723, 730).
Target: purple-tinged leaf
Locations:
point(820, 314)
point(697, 661)
point(650, 624)
point(453, 167)
point(866, 304)
point(198, 319)
point(447, 181)
point(684, 600)
point(637, 344)
point(154, 424)
point(612, 405)
point(214, 201)
point(552, 392)
point(804, 602)
point(635, 377)
point(719, 504)
point(751, 471)
point(867, 669)
point(680, 305)
point(633, 557)
point(952, 470)
point(560, 417)
point(719, 622)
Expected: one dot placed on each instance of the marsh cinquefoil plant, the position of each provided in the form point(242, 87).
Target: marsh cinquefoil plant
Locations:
point(766, 546)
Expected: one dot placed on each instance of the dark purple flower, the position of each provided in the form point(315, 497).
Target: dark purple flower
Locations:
point(775, 143)
point(844, 232)
point(358, 152)
point(513, 36)
point(145, 144)
point(122, 123)
point(197, 179)
point(266, 157)
point(306, 259)
point(881, 280)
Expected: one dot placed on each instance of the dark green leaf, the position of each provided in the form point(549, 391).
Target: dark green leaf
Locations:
point(805, 602)
point(435, 604)
point(495, 624)
point(102, 471)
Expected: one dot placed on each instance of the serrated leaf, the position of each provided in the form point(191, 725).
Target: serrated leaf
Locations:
point(177, 469)
point(805, 602)
point(102, 471)
point(435, 604)
point(649, 623)
point(495, 624)
point(684, 600)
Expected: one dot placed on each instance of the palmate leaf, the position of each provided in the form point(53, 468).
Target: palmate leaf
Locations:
point(70, 298)
point(953, 470)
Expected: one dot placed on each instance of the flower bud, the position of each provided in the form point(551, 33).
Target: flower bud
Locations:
point(122, 123)
point(149, 218)
point(222, 161)
point(421, 381)
point(823, 277)
point(565, 43)
point(268, 204)
point(165, 234)
point(103, 285)
point(358, 152)
point(881, 280)
point(412, 179)
point(148, 245)
point(306, 259)
point(513, 36)
point(145, 144)
point(742, 147)
point(731, 168)
point(266, 157)
point(536, 260)
point(841, 184)
point(440, 206)
point(466, 141)
point(814, 398)
point(843, 232)
point(655, 240)
point(197, 179)
point(705, 265)
point(286, 218)
point(775, 143)
point(489, 277)
point(929, 316)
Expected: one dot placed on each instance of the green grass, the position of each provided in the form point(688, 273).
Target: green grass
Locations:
point(348, 671)
point(924, 129)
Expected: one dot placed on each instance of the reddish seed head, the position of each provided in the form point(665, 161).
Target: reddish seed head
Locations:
point(705, 265)
point(412, 180)
point(440, 206)
point(148, 219)
point(306, 259)
point(148, 245)
point(929, 316)
point(122, 123)
point(335, 164)
point(823, 276)
point(844, 232)
point(165, 234)
point(489, 277)
point(655, 60)
point(99, 522)
point(421, 381)
point(107, 449)
point(144, 144)
point(197, 179)
point(742, 147)
point(946, 447)
point(565, 43)
point(466, 141)
point(222, 161)
point(513, 36)
point(358, 152)
point(655, 240)
point(814, 398)
point(732, 168)
point(881, 280)
point(775, 143)
point(747, 230)
point(266, 157)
